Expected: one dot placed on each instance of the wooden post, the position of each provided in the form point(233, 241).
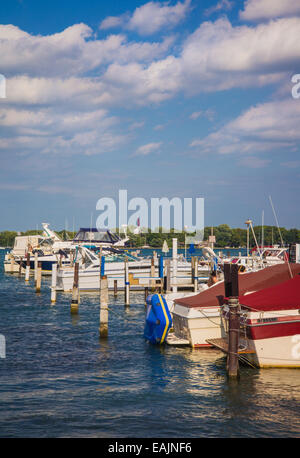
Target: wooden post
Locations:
point(195, 274)
point(174, 276)
point(152, 274)
point(20, 267)
point(192, 267)
point(35, 266)
point(100, 266)
point(27, 273)
point(53, 282)
point(115, 288)
point(39, 278)
point(146, 293)
point(161, 273)
point(233, 338)
point(167, 278)
point(12, 264)
point(75, 292)
point(127, 284)
point(103, 329)
point(232, 292)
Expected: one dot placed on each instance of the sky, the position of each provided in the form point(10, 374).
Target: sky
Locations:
point(187, 99)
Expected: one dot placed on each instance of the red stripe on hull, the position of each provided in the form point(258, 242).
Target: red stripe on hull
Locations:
point(268, 331)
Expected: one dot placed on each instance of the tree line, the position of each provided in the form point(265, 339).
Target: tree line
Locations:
point(225, 236)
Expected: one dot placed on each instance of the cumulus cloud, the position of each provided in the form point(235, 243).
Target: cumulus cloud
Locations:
point(149, 18)
point(265, 128)
point(72, 52)
point(69, 80)
point(267, 9)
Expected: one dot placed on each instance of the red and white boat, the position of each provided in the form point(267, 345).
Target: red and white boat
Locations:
point(270, 325)
point(198, 318)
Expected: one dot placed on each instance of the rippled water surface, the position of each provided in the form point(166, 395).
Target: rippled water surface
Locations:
point(59, 380)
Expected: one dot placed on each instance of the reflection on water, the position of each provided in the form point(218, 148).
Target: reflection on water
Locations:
point(60, 380)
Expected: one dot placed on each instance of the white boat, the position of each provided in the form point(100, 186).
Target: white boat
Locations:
point(270, 325)
point(52, 249)
point(139, 271)
point(198, 318)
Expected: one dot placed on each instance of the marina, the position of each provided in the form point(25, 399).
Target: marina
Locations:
point(85, 357)
point(58, 380)
point(150, 225)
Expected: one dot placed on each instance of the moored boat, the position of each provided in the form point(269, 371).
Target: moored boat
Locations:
point(198, 318)
point(270, 325)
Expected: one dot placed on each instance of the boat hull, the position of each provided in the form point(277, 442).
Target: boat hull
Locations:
point(276, 342)
point(198, 325)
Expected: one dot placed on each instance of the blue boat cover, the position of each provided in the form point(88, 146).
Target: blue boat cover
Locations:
point(158, 319)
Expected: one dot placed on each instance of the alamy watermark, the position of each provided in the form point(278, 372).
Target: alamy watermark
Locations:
point(296, 347)
point(2, 87)
point(296, 89)
point(182, 215)
point(2, 346)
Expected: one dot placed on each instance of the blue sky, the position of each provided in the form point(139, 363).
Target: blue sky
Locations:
point(170, 99)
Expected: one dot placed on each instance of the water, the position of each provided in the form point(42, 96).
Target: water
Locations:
point(59, 380)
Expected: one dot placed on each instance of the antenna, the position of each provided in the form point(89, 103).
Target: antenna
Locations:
point(276, 220)
point(262, 230)
point(91, 225)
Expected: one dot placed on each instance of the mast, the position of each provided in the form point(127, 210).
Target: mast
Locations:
point(276, 221)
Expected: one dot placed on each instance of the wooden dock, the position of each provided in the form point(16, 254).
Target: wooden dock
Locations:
point(222, 344)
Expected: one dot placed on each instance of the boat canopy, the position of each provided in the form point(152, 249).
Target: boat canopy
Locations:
point(95, 235)
point(285, 296)
point(248, 283)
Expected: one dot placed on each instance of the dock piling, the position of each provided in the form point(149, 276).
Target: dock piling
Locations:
point(53, 282)
point(152, 274)
point(233, 338)
point(127, 284)
point(27, 273)
point(75, 291)
point(195, 279)
point(35, 266)
point(103, 329)
point(115, 288)
point(38, 278)
point(174, 276)
point(232, 292)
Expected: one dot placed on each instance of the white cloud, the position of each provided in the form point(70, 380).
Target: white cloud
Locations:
point(267, 9)
point(144, 150)
point(112, 22)
point(222, 5)
point(195, 115)
point(72, 52)
point(209, 114)
point(154, 16)
point(149, 18)
point(265, 128)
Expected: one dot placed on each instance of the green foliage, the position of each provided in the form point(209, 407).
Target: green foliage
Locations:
point(225, 236)
point(7, 238)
